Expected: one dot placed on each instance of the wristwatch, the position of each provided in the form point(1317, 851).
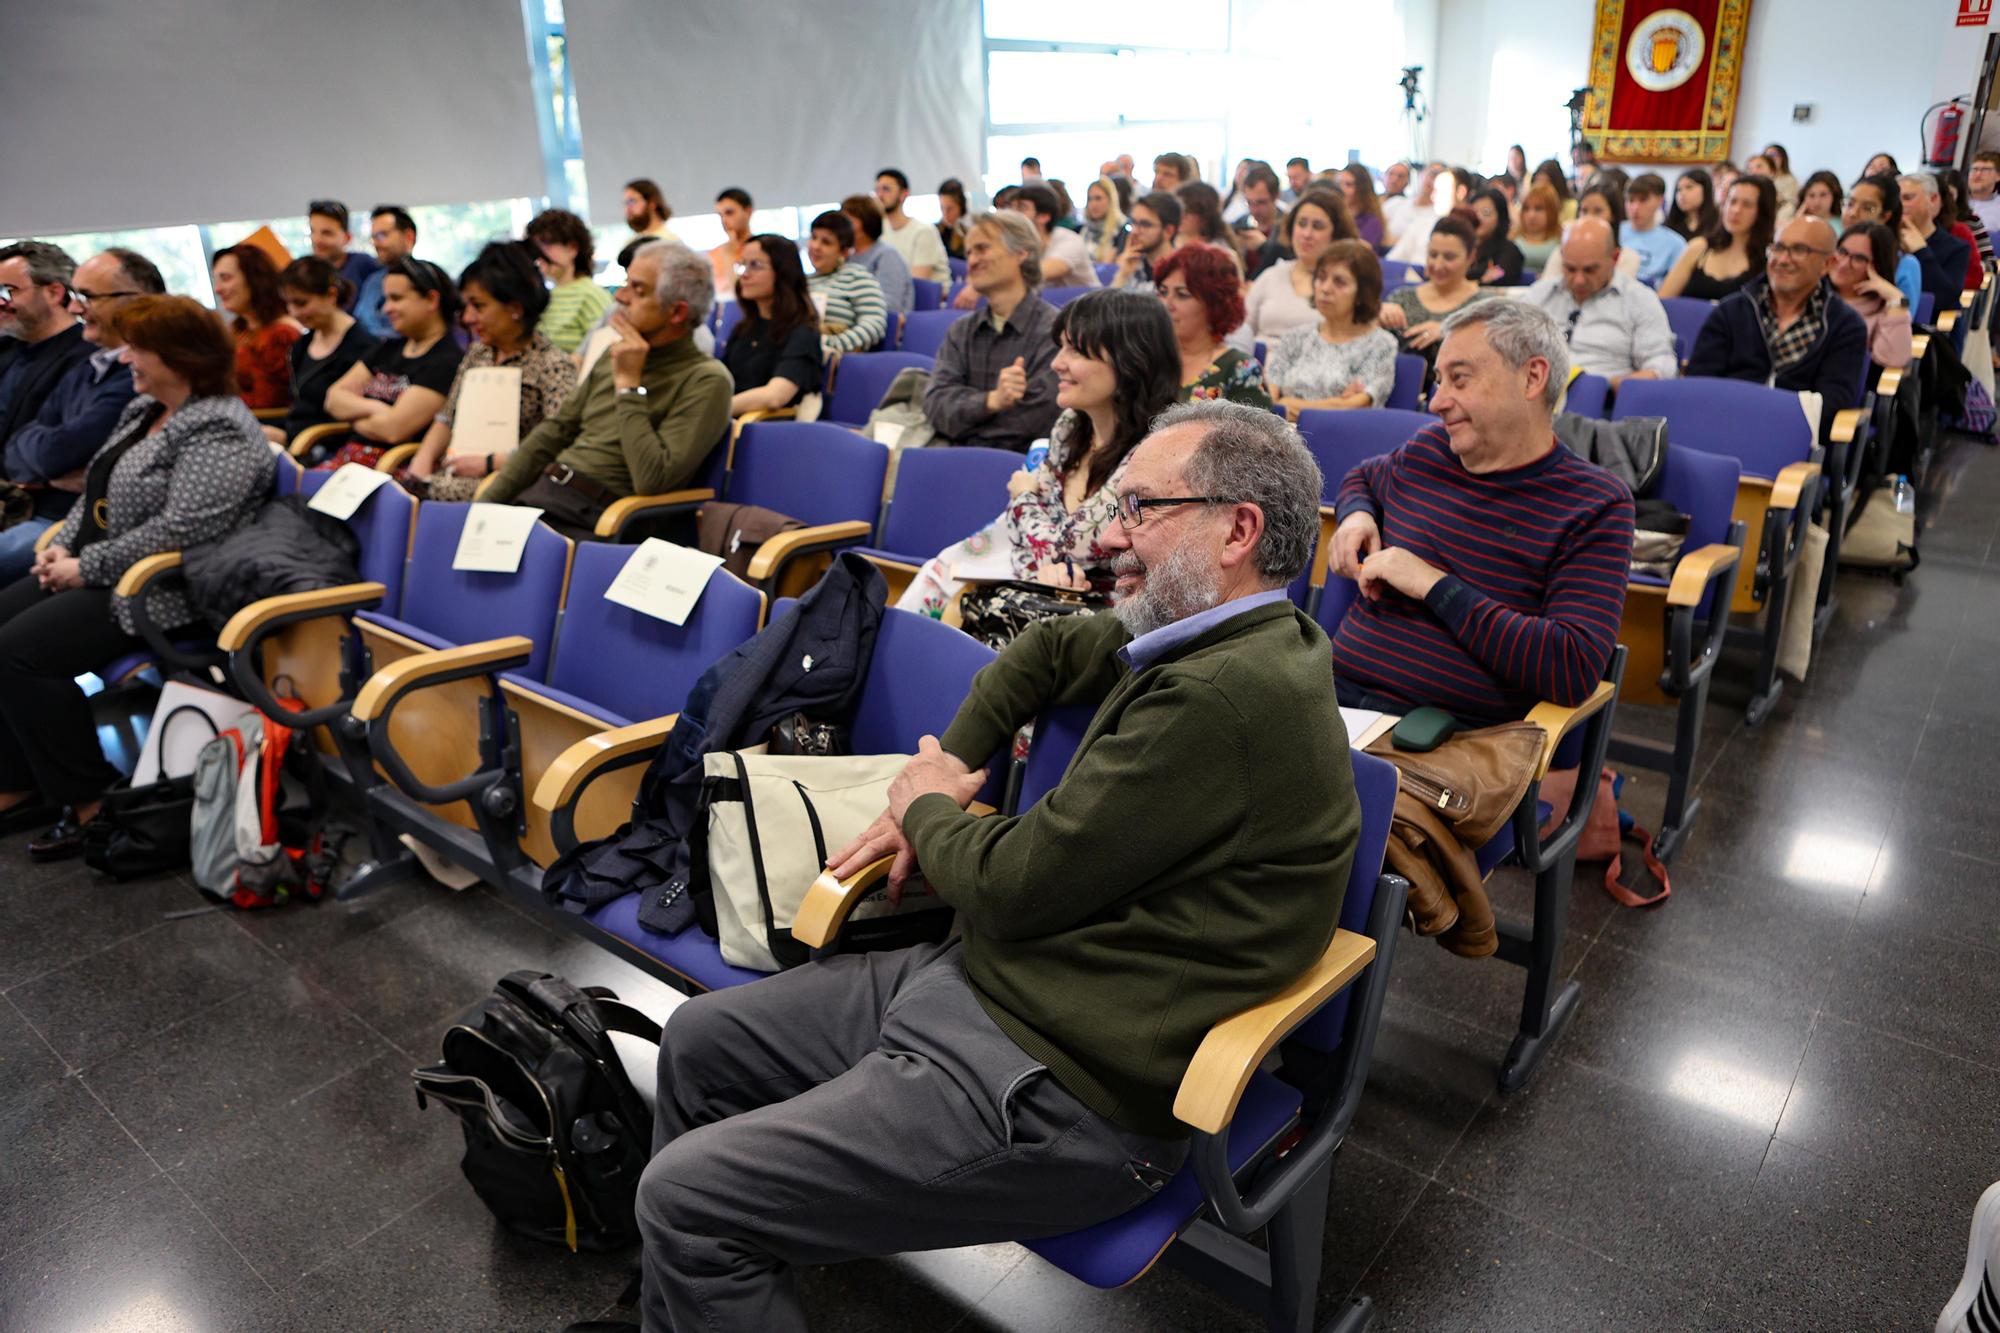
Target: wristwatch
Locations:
point(636, 391)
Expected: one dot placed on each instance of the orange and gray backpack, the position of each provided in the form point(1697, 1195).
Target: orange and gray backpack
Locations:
point(259, 810)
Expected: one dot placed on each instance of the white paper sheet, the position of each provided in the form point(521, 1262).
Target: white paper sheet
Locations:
point(1363, 725)
point(996, 565)
point(596, 345)
point(346, 489)
point(487, 419)
point(663, 580)
point(494, 538)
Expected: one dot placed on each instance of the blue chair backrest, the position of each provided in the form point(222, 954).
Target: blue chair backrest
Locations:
point(1339, 440)
point(929, 295)
point(957, 267)
point(861, 378)
point(1057, 734)
point(944, 495)
point(1408, 392)
point(1375, 788)
point(918, 677)
point(1334, 600)
point(1685, 316)
point(464, 607)
point(810, 471)
point(1396, 273)
point(728, 315)
point(1701, 485)
point(382, 526)
point(1106, 272)
point(924, 331)
point(1529, 277)
point(1926, 307)
point(637, 665)
point(1763, 429)
point(289, 473)
point(1588, 395)
point(892, 335)
point(1062, 296)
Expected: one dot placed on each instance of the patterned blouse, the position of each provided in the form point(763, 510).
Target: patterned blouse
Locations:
point(1305, 365)
point(547, 378)
point(1233, 376)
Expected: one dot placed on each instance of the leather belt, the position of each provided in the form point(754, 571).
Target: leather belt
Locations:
point(562, 474)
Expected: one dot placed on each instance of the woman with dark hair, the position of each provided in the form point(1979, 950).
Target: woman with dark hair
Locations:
point(317, 297)
point(1517, 162)
point(504, 303)
point(1694, 212)
point(1364, 207)
point(773, 352)
point(1820, 197)
point(1882, 164)
point(1880, 199)
point(246, 289)
point(952, 213)
point(1863, 273)
point(562, 241)
point(1417, 314)
point(185, 465)
point(1957, 217)
point(1497, 260)
point(1204, 299)
point(395, 390)
point(1117, 367)
point(1201, 221)
point(1774, 165)
point(1732, 255)
point(1281, 299)
point(1549, 172)
point(1347, 360)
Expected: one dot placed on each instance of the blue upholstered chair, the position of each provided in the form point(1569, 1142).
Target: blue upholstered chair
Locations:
point(1588, 395)
point(941, 496)
point(1062, 296)
point(826, 477)
point(925, 330)
point(859, 381)
point(1408, 393)
point(1685, 316)
point(929, 295)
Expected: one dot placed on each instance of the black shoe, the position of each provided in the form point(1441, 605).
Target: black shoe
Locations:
point(27, 815)
point(62, 841)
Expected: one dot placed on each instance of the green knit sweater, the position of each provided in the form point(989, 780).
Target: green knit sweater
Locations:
point(1190, 864)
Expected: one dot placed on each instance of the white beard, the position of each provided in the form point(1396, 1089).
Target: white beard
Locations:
point(1178, 587)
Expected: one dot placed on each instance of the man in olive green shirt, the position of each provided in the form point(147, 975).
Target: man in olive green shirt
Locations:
point(645, 418)
point(1019, 1081)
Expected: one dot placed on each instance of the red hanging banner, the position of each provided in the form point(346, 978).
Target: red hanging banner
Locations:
point(1663, 76)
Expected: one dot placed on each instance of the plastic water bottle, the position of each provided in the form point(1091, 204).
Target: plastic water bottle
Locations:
point(1038, 453)
point(1906, 496)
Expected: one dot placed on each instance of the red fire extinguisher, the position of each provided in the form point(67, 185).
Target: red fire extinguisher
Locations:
point(1944, 138)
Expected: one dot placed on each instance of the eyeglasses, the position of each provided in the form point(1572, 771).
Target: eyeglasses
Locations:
point(1788, 250)
point(1852, 257)
point(752, 266)
point(84, 298)
point(1132, 508)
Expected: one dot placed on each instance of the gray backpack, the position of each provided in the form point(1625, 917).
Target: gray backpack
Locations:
point(224, 777)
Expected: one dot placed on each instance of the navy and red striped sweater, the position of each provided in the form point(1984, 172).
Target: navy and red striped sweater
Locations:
point(1535, 562)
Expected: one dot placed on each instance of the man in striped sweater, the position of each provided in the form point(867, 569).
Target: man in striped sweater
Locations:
point(1491, 560)
point(853, 315)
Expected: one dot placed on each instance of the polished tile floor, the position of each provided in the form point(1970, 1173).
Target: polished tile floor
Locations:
point(1775, 1109)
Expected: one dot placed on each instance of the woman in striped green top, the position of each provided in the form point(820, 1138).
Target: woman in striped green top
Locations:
point(577, 302)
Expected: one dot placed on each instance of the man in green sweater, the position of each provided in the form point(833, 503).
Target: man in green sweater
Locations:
point(644, 419)
point(1019, 1081)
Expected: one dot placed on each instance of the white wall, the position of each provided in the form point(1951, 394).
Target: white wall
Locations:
point(1869, 68)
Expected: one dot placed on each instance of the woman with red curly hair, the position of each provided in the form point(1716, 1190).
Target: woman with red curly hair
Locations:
point(1204, 299)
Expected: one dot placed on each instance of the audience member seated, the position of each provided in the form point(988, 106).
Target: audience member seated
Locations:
point(1259, 223)
point(1412, 241)
point(1658, 247)
point(645, 418)
point(1942, 258)
point(1863, 269)
point(1201, 221)
point(1782, 178)
point(773, 352)
point(646, 212)
point(1455, 612)
point(1731, 256)
point(1982, 181)
point(1821, 197)
point(1956, 216)
point(1204, 301)
point(1786, 328)
point(47, 455)
point(883, 261)
point(1149, 239)
point(1282, 297)
point(563, 246)
point(1357, 191)
point(40, 338)
point(1169, 173)
point(1396, 200)
point(1416, 314)
point(1103, 221)
point(1694, 212)
point(1880, 199)
point(1604, 202)
point(1538, 228)
point(393, 392)
point(185, 464)
point(921, 245)
point(246, 292)
point(1724, 175)
point(1583, 158)
point(853, 315)
point(1116, 367)
point(1038, 1052)
point(732, 209)
point(1614, 324)
point(1497, 261)
point(1763, 168)
point(1298, 179)
point(1882, 164)
point(393, 233)
point(1549, 172)
point(952, 215)
point(1065, 260)
point(504, 300)
point(316, 299)
point(994, 383)
point(1347, 359)
point(326, 223)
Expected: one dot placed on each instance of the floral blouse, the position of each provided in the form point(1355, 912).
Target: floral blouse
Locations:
point(1043, 534)
point(1233, 376)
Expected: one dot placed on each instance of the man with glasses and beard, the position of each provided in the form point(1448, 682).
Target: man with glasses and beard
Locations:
point(1787, 328)
point(1018, 1080)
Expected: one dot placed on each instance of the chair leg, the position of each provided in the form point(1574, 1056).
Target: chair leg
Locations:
point(1356, 1318)
point(1547, 1005)
point(1765, 687)
point(1295, 1237)
point(1679, 815)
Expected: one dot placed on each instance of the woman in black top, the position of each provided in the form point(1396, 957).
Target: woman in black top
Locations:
point(1731, 256)
point(1498, 261)
point(1694, 212)
point(774, 353)
point(317, 296)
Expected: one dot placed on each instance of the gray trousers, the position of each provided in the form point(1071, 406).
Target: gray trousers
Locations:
point(862, 1105)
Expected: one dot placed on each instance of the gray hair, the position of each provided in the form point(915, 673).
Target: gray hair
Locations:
point(46, 263)
point(1256, 458)
point(684, 276)
point(1923, 180)
point(1020, 237)
point(1519, 331)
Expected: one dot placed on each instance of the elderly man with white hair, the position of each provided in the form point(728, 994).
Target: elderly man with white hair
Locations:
point(1942, 258)
point(644, 419)
point(1613, 324)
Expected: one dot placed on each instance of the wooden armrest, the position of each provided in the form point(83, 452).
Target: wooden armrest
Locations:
point(244, 625)
point(396, 457)
point(1889, 381)
point(1791, 483)
point(302, 443)
point(1920, 346)
point(270, 413)
point(1233, 1048)
point(1323, 553)
point(384, 685)
point(888, 566)
point(141, 572)
point(1969, 295)
point(1947, 321)
point(1695, 570)
point(1846, 422)
point(48, 537)
point(776, 550)
point(574, 767)
point(757, 414)
point(825, 908)
point(623, 511)
point(1557, 722)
